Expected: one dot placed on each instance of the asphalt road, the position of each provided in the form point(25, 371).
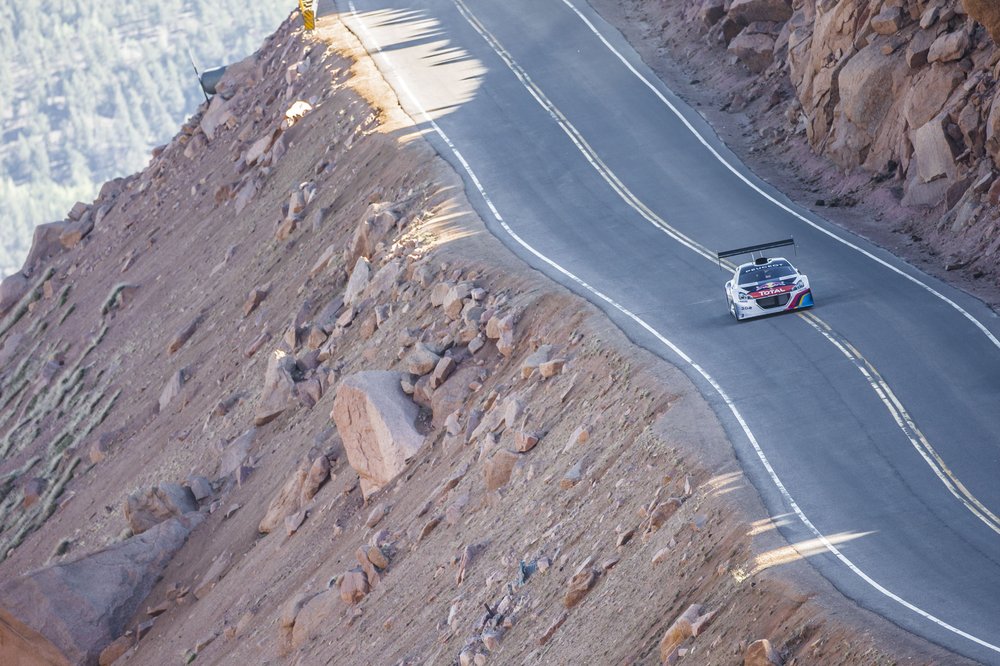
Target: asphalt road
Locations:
point(870, 427)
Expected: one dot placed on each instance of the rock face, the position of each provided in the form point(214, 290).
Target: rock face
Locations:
point(376, 422)
point(68, 613)
point(928, 140)
point(933, 152)
point(862, 114)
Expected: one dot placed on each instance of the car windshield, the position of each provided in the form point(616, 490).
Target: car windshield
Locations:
point(773, 271)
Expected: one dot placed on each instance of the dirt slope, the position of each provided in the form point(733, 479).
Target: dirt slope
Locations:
point(144, 354)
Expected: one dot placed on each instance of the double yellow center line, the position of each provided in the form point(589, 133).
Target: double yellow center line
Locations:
point(874, 379)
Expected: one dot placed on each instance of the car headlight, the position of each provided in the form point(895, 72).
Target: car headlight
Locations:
point(743, 296)
point(800, 284)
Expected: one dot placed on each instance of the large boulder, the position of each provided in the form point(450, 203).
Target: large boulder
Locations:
point(385, 279)
point(919, 48)
point(172, 388)
point(44, 244)
point(711, 12)
point(682, 629)
point(754, 50)
point(376, 423)
point(421, 360)
point(498, 469)
point(354, 585)
point(68, 613)
point(986, 12)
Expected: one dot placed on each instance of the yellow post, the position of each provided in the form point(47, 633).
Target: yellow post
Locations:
point(308, 10)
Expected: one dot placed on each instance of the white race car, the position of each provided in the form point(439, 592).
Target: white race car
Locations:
point(765, 286)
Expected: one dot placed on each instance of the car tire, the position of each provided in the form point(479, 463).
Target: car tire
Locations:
point(732, 309)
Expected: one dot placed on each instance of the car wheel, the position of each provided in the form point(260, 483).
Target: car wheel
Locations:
point(732, 309)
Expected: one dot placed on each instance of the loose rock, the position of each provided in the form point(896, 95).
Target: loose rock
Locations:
point(285, 503)
point(524, 441)
point(183, 335)
point(318, 473)
point(279, 384)
point(578, 587)
point(422, 360)
point(497, 470)
point(145, 510)
point(553, 628)
point(761, 653)
point(358, 281)
point(377, 514)
point(354, 586)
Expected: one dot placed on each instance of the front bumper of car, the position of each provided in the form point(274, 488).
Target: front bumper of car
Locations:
point(787, 302)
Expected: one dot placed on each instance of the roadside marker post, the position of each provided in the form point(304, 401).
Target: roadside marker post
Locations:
point(308, 10)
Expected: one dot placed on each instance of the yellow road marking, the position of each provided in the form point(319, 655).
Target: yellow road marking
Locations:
point(881, 388)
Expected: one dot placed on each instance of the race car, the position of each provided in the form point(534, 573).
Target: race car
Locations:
point(765, 286)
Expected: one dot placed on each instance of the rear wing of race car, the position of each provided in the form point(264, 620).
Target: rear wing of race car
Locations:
point(754, 250)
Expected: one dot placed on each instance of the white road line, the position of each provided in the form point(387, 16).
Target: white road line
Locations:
point(992, 338)
point(603, 170)
point(873, 378)
point(905, 423)
point(404, 88)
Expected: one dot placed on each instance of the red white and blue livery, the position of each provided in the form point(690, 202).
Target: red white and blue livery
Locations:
point(765, 285)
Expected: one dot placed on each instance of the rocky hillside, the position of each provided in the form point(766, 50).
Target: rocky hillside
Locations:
point(280, 398)
point(899, 99)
